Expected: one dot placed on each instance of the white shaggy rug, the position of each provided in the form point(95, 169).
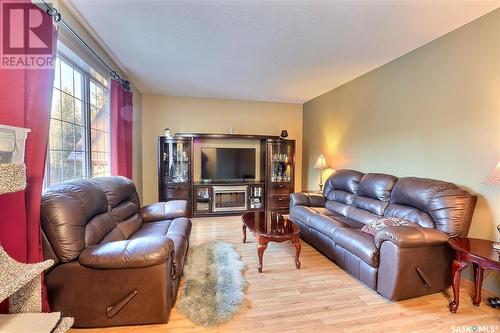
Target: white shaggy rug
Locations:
point(214, 288)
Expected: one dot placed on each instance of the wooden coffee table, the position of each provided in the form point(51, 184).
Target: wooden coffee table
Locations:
point(271, 227)
point(481, 254)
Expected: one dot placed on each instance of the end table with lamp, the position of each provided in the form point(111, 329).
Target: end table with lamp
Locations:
point(483, 254)
point(322, 165)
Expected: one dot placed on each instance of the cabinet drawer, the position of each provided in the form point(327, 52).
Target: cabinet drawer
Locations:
point(171, 192)
point(281, 188)
point(279, 201)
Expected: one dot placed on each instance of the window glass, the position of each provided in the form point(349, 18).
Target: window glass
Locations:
point(79, 135)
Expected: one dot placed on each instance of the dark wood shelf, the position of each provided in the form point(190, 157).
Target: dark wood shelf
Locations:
point(174, 139)
point(229, 183)
point(225, 136)
point(275, 196)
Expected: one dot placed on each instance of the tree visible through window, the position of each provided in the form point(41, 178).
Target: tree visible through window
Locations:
point(79, 137)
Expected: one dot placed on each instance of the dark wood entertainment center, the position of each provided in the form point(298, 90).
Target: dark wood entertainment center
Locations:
point(177, 178)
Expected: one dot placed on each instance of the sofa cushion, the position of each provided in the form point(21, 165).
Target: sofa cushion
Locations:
point(358, 243)
point(370, 205)
point(372, 197)
point(340, 206)
point(118, 189)
point(99, 227)
point(74, 215)
point(302, 213)
point(323, 211)
point(123, 203)
point(137, 253)
point(448, 206)
point(352, 223)
point(411, 214)
point(343, 180)
point(372, 228)
point(361, 215)
point(340, 190)
point(325, 224)
point(152, 229)
point(178, 230)
point(164, 210)
point(377, 186)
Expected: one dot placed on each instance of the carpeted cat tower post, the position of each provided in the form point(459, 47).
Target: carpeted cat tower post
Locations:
point(21, 283)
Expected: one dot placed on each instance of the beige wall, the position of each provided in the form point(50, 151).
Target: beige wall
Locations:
point(185, 114)
point(67, 37)
point(137, 143)
point(434, 112)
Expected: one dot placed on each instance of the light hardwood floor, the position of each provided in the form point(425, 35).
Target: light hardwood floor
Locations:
point(320, 297)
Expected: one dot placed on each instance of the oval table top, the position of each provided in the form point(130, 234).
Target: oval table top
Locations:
point(480, 248)
point(270, 224)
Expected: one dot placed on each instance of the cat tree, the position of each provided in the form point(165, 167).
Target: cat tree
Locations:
point(21, 283)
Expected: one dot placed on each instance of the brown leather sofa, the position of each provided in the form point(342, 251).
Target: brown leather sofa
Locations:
point(116, 263)
point(398, 262)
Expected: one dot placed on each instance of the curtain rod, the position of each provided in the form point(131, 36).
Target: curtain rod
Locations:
point(56, 16)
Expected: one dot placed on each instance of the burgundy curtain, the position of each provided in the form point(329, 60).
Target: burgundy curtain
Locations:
point(121, 130)
point(25, 101)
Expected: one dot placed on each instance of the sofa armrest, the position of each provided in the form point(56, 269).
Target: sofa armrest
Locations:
point(410, 237)
point(316, 199)
point(307, 199)
point(299, 199)
point(164, 210)
point(135, 253)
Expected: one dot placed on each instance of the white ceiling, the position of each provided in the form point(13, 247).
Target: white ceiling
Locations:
point(284, 51)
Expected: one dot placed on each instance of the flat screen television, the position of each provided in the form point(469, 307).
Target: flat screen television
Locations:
point(227, 164)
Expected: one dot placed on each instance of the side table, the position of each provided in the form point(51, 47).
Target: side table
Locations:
point(481, 254)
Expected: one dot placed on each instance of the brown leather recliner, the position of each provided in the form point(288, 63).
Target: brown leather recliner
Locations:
point(116, 263)
point(398, 262)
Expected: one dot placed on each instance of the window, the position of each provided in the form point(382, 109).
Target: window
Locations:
point(79, 136)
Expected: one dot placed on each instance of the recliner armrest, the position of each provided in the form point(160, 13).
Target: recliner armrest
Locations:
point(135, 253)
point(299, 199)
point(316, 199)
point(410, 237)
point(307, 199)
point(164, 210)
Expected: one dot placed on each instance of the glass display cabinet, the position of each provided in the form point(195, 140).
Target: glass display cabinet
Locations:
point(174, 176)
point(202, 198)
point(256, 197)
point(281, 156)
point(176, 156)
point(280, 173)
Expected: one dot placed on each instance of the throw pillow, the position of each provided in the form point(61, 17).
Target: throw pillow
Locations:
point(373, 227)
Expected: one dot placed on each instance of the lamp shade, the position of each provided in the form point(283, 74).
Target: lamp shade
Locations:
point(494, 177)
point(321, 163)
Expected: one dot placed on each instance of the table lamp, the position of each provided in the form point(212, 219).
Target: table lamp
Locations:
point(321, 165)
point(494, 179)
